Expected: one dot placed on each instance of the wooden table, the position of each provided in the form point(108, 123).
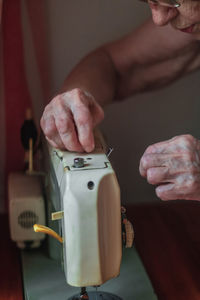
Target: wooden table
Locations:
point(167, 239)
point(10, 270)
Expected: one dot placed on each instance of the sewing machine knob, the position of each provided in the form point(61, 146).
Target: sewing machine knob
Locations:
point(129, 234)
point(78, 162)
point(127, 230)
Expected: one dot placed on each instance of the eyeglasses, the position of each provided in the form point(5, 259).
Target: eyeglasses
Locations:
point(167, 3)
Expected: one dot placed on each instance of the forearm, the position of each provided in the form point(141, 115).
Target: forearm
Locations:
point(96, 75)
point(135, 64)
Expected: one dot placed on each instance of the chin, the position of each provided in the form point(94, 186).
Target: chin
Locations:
point(197, 36)
point(196, 32)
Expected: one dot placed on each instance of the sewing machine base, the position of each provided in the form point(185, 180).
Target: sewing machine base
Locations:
point(44, 279)
point(98, 296)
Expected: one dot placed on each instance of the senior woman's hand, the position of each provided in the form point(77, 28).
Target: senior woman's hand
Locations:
point(174, 167)
point(69, 119)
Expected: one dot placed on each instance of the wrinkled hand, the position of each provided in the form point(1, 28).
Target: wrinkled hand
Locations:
point(174, 166)
point(69, 119)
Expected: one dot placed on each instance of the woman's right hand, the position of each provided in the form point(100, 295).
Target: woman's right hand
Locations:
point(69, 119)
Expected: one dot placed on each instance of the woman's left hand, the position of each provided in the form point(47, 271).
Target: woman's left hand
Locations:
point(174, 167)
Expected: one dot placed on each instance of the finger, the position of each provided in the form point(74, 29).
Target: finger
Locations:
point(167, 146)
point(51, 142)
point(151, 161)
point(65, 125)
point(167, 192)
point(95, 109)
point(158, 175)
point(84, 125)
point(67, 132)
point(50, 131)
point(185, 186)
point(160, 147)
point(97, 114)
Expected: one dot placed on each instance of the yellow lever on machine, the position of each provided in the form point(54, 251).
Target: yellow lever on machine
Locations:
point(47, 230)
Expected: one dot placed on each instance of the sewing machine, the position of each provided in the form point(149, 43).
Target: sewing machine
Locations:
point(85, 216)
point(90, 218)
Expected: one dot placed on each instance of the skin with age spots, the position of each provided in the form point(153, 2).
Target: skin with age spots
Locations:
point(68, 124)
point(133, 64)
point(174, 166)
point(188, 14)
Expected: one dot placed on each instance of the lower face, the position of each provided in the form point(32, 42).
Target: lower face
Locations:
point(188, 17)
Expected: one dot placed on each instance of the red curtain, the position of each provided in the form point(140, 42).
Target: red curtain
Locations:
point(0, 9)
point(16, 81)
point(16, 94)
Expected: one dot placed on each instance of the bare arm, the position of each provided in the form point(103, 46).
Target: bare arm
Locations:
point(148, 58)
point(95, 74)
point(152, 57)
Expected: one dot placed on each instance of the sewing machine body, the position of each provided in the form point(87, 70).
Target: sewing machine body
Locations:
point(64, 192)
point(91, 226)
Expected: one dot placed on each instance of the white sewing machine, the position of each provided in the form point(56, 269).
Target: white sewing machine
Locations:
point(91, 228)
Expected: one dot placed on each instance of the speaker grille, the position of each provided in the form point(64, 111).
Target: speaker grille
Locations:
point(27, 219)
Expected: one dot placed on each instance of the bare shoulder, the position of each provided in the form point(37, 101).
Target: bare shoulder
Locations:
point(150, 43)
point(151, 57)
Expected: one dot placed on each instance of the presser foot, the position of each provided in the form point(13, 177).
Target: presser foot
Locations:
point(97, 296)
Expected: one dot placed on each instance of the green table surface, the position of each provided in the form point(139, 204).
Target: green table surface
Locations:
point(44, 278)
